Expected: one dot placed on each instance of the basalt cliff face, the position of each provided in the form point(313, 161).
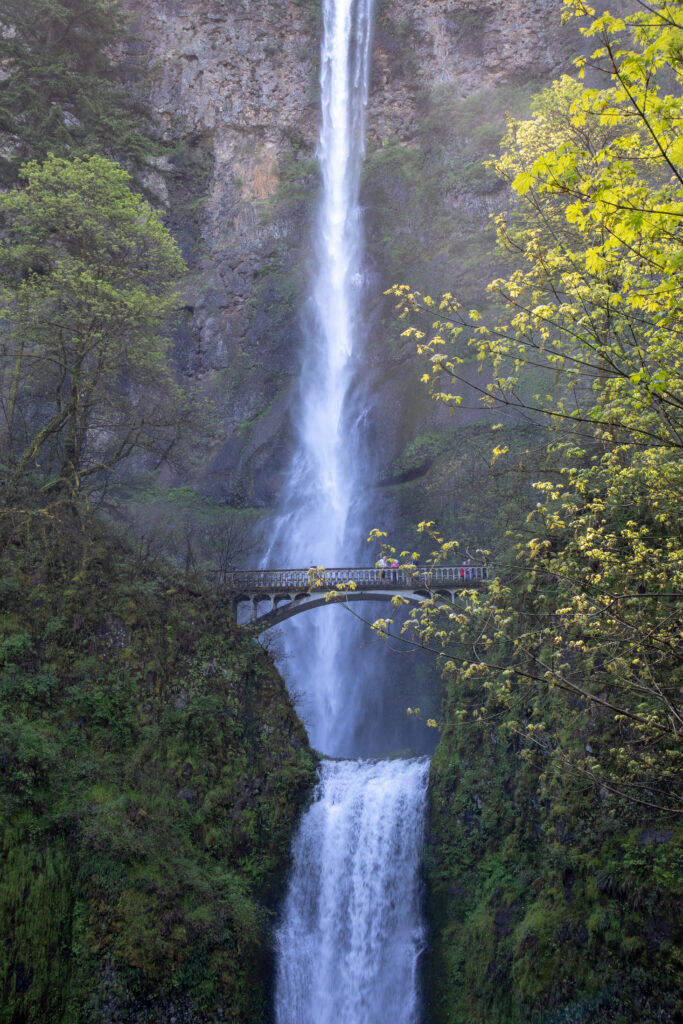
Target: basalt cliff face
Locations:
point(234, 89)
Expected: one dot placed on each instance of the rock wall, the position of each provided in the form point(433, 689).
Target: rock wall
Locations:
point(474, 46)
point(234, 88)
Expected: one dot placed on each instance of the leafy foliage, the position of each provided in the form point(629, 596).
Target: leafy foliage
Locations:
point(86, 277)
point(151, 771)
point(552, 864)
point(594, 306)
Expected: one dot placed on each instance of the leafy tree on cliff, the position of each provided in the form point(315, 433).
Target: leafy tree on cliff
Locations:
point(592, 311)
point(87, 271)
point(60, 91)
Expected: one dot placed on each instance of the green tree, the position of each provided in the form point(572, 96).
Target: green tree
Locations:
point(61, 91)
point(87, 271)
point(591, 335)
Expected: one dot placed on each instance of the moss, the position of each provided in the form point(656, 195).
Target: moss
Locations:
point(185, 527)
point(548, 901)
point(448, 476)
point(428, 197)
point(187, 170)
point(35, 889)
point(298, 185)
point(313, 12)
point(152, 772)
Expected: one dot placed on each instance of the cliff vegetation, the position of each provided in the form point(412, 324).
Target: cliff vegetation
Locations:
point(152, 768)
point(554, 859)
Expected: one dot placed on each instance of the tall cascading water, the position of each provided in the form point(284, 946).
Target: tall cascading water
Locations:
point(325, 491)
point(351, 934)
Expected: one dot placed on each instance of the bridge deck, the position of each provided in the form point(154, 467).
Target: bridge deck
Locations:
point(288, 592)
point(270, 581)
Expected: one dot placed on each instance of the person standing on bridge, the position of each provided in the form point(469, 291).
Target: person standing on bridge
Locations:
point(394, 567)
point(381, 565)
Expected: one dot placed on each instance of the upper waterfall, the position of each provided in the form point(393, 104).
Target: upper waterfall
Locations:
point(324, 482)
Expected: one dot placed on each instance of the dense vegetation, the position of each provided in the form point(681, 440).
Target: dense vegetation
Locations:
point(151, 768)
point(555, 789)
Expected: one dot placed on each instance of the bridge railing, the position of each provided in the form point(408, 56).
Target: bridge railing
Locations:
point(417, 577)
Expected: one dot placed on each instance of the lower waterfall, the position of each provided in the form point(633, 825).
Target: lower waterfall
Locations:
point(352, 933)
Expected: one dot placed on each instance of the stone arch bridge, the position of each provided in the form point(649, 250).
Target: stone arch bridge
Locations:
point(273, 595)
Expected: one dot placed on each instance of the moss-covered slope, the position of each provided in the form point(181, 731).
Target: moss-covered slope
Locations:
point(550, 903)
point(151, 770)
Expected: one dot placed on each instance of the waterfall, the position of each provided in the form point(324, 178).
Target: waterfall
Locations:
point(351, 936)
point(351, 933)
point(324, 488)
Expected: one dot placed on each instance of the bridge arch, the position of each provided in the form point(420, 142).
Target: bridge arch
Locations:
point(305, 602)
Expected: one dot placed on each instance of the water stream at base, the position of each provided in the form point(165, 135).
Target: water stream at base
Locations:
point(351, 932)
